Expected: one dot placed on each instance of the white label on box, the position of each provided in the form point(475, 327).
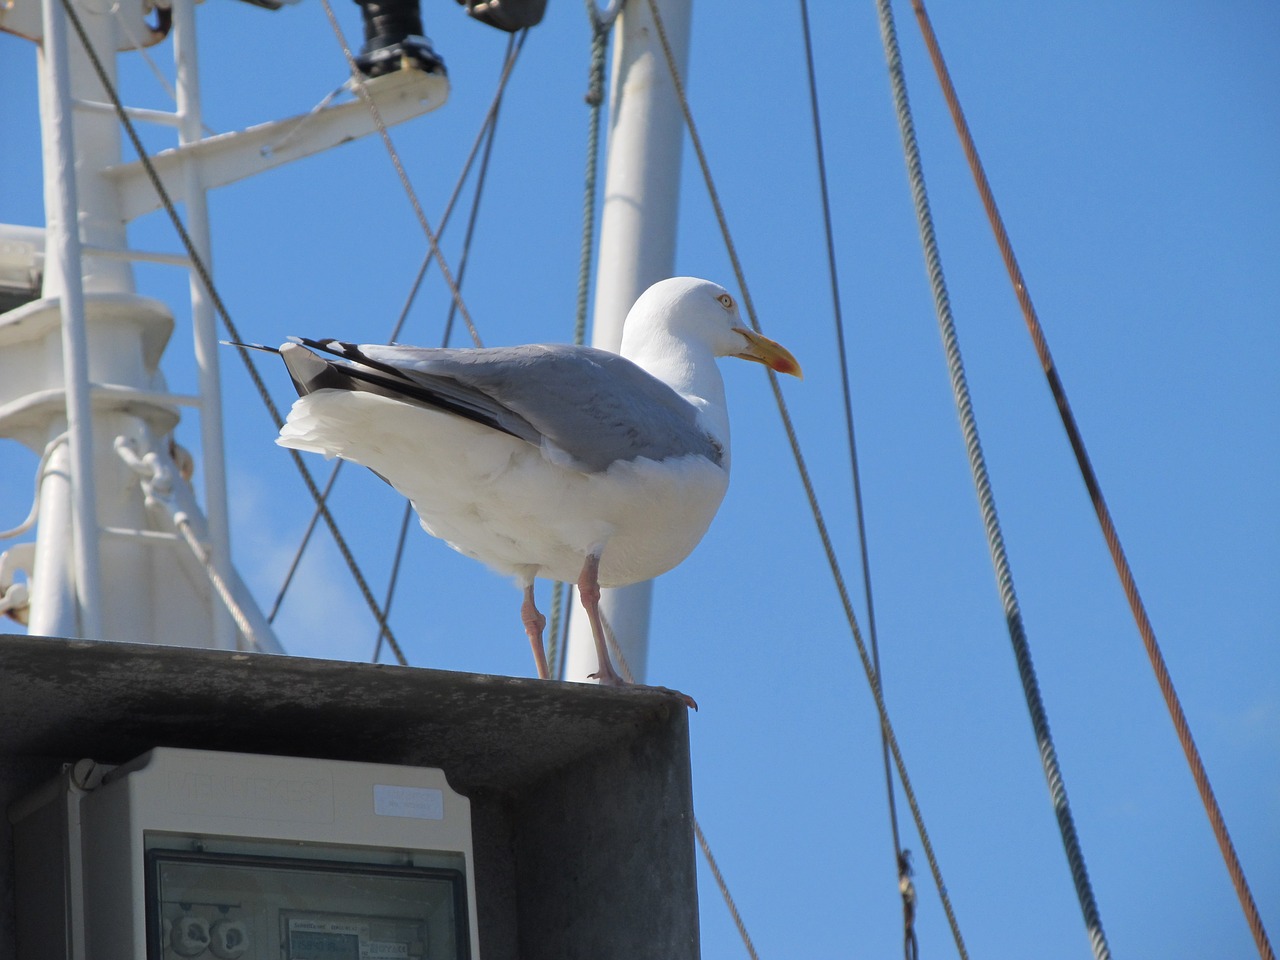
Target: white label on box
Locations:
point(420, 803)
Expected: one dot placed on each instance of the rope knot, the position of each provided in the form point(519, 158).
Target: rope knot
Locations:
point(910, 945)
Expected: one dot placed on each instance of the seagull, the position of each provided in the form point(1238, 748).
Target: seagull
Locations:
point(546, 460)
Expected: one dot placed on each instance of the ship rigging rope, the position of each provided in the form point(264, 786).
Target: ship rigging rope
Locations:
point(1094, 488)
point(34, 513)
point(514, 46)
point(986, 498)
point(156, 472)
point(394, 577)
point(361, 88)
point(620, 658)
point(202, 271)
point(183, 524)
point(484, 138)
point(601, 24)
point(819, 521)
point(724, 889)
point(850, 437)
point(562, 595)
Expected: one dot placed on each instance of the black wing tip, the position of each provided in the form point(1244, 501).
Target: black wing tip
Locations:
point(335, 348)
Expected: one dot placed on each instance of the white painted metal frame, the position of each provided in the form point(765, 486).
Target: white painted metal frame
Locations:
point(64, 255)
point(228, 157)
point(90, 196)
point(204, 323)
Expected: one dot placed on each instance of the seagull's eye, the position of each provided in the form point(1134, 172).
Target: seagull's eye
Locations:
point(726, 301)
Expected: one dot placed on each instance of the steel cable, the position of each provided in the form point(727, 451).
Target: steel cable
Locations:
point(1234, 868)
point(724, 889)
point(819, 521)
point(986, 498)
point(205, 278)
point(847, 393)
point(484, 136)
point(513, 50)
point(362, 90)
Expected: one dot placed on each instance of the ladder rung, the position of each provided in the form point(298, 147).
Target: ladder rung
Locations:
point(145, 256)
point(150, 396)
point(145, 536)
point(163, 117)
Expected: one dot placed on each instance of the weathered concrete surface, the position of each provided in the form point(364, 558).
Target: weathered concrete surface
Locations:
point(581, 796)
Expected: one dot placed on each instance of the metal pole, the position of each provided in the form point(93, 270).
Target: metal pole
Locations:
point(53, 579)
point(637, 248)
point(64, 249)
point(204, 322)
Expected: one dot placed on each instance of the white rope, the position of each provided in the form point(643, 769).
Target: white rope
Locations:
point(183, 523)
point(30, 522)
point(157, 474)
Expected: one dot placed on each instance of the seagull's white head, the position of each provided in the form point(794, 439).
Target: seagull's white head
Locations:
point(687, 318)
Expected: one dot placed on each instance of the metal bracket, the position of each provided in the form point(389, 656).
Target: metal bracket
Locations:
point(228, 157)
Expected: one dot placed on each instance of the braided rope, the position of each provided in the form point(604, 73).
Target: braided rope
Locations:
point(362, 90)
point(986, 498)
point(486, 131)
point(1137, 607)
point(205, 557)
point(868, 666)
point(724, 889)
point(847, 391)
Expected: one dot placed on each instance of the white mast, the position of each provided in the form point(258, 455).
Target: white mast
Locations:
point(104, 330)
point(637, 247)
point(74, 603)
point(122, 551)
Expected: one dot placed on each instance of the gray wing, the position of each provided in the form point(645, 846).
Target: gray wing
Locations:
point(595, 406)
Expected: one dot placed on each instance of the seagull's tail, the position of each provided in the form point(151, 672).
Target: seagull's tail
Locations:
point(249, 346)
point(308, 371)
point(311, 372)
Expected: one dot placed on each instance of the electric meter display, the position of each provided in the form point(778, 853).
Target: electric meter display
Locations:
point(238, 907)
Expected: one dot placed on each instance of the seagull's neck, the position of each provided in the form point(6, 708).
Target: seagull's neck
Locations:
point(690, 370)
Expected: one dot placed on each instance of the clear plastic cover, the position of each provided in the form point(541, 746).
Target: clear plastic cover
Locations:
point(233, 906)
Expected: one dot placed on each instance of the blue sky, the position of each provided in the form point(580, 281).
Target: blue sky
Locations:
point(1133, 149)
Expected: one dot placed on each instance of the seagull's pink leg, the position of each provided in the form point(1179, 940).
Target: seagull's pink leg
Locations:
point(589, 592)
point(534, 622)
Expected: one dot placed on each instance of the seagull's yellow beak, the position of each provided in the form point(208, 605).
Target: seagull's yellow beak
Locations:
point(769, 352)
